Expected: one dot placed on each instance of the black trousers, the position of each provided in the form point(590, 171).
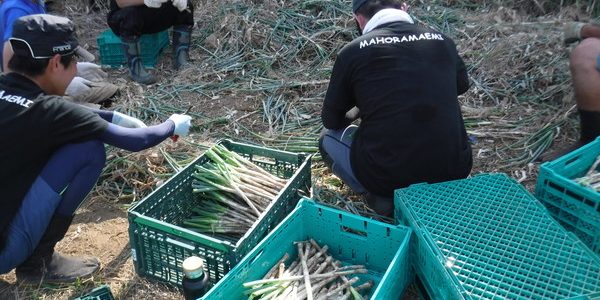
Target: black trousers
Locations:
point(134, 21)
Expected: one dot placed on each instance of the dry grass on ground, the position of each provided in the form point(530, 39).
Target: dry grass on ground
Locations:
point(261, 70)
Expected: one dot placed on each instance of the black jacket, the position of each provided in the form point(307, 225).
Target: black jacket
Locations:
point(32, 127)
point(405, 80)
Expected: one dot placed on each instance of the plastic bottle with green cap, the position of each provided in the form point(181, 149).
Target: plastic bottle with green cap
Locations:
point(195, 281)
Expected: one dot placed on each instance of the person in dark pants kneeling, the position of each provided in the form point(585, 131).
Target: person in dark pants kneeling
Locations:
point(129, 19)
point(402, 80)
point(52, 150)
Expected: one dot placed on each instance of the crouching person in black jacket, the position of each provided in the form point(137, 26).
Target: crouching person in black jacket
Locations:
point(402, 80)
point(52, 150)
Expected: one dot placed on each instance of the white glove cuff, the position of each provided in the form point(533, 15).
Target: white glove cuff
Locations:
point(126, 121)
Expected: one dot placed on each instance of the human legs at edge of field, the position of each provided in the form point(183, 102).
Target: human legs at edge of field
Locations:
point(585, 71)
point(584, 65)
point(46, 214)
point(129, 23)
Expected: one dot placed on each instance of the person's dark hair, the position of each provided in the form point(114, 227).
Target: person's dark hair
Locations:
point(34, 67)
point(371, 7)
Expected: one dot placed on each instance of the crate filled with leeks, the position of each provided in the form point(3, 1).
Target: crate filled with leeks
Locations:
point(219, 207)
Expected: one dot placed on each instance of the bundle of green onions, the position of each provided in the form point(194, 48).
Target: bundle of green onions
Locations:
point(235, 193)
point(591, 178)
point(313, 275)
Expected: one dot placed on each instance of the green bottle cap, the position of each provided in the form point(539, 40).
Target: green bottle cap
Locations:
point(193, 267)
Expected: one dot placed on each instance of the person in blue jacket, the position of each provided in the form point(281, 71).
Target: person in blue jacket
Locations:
point(52, 150)
point(90, 83)
point(10, 10)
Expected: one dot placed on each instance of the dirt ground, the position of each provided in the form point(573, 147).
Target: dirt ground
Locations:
point(100, 226)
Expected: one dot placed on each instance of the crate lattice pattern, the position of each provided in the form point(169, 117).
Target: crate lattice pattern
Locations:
point(500, 243)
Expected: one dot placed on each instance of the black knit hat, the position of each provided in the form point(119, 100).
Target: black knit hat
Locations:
point(356, 4)
point(43, 36)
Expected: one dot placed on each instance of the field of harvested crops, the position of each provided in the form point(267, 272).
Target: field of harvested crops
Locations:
point(261, 69)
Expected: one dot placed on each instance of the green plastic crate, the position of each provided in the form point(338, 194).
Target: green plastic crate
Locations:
point(112, 55)
point(159, 245)
point(487, 238)
point(100, 293)
point(575, 206)
point(352, 239)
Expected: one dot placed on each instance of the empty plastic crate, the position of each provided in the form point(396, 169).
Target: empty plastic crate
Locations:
point(100, 293)
point(111, 51)
point(159, 245)
point(381, 248)
point(488, 238)
point(575, 206)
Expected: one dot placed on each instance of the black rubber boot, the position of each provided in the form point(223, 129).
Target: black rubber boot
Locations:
point(383, 206)
point(181, 46)
point(50, 267)
point(137, 71)
point(589, 125)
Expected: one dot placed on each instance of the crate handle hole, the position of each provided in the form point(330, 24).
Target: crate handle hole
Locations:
point(556, 187)
point(575, 196)
point(180, 244)
point(259, 254)
point(264, 159)
point(572, 160)
point(349, 230)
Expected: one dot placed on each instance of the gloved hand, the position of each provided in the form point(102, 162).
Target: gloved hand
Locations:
point(154, 3)
point(182, 124)
point(353, 114)
point(78, 87)
point(90, 71)
point(126, 121)
point(181, 5)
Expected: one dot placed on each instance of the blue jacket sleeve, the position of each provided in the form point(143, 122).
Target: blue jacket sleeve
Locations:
point(137, 139)
point(10, 16)
point(104, 114)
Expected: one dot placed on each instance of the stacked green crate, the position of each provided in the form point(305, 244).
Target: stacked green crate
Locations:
point(159, 244)
point(487, 238)
point(112, 54)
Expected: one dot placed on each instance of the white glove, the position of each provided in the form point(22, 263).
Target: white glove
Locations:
point(154, 3)
point(90, 71)
point(78, 87)
point(126, 121)
point(182, 124)
point(353, 114)
point(180, 4)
